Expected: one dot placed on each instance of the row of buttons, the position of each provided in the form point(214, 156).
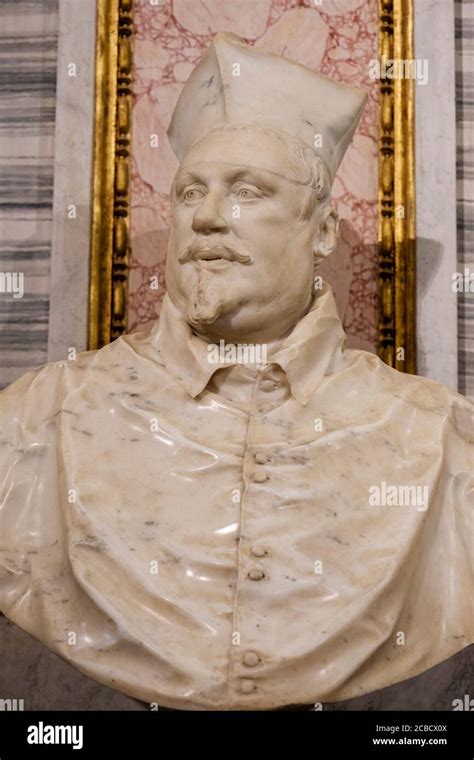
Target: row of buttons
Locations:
point(257, 573)
point(267, 386)
point(260, 475)
point(272, 386)
point(251, 659)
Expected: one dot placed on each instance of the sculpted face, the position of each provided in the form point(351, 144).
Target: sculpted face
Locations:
point(240, 260)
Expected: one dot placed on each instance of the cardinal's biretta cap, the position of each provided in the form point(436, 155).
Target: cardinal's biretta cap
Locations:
point(235, 83)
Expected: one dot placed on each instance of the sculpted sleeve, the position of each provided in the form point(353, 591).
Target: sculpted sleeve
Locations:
point(43, 521)
point(442, 588)
point(429, 605)
point(30, 519)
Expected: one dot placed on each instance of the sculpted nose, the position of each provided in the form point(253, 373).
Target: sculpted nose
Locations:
point(208, 218)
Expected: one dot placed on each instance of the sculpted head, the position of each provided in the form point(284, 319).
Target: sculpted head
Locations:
point(259, 139)
point(251, 218)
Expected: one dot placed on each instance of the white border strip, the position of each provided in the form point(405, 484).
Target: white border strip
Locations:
point(435, 157)
point(69, 292)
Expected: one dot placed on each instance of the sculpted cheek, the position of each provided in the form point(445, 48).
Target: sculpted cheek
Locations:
point(181, 223)
point(269, 228)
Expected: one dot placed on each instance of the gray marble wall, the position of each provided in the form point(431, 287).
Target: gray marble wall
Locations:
point(464, 25)
point(28, 47)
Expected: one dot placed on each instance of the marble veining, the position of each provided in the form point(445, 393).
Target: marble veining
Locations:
point(206, 526)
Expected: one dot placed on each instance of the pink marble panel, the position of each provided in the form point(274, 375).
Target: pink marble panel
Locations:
point(336, 37)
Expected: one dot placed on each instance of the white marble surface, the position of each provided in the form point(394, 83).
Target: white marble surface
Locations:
point(64, 263)
point(215, 549)
point(436, 193)
point(72, 179)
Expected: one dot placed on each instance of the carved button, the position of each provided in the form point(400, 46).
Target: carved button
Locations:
point(259, 476)
point(267, 386)
point(261, 458)
point(259, 550)
point(250, 659)
point(247, 686)
point(256, 574)
point(265, 406)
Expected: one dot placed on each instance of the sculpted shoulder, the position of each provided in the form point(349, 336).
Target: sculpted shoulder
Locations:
point(419, 392)
point(42, 391)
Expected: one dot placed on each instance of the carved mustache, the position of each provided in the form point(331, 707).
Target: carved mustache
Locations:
point(210, 251)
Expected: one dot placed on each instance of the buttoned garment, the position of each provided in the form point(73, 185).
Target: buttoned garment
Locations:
point(203, 536)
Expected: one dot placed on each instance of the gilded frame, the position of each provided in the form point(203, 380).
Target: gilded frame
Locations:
point(110, 241)
point(110, 246)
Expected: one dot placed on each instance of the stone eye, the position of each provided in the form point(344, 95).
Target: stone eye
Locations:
point(245, 193)
point(193, 194)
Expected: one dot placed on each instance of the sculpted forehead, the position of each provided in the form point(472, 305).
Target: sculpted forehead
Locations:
point(253, 148)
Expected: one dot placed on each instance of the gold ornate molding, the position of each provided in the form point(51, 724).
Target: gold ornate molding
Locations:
point(110, 244)
point(397, 253)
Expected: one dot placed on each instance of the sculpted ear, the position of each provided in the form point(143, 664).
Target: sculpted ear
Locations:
point(326, 237)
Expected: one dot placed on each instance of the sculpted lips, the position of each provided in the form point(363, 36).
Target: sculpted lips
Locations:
point(213, 252)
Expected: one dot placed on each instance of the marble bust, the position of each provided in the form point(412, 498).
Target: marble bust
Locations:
point(233, 511)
